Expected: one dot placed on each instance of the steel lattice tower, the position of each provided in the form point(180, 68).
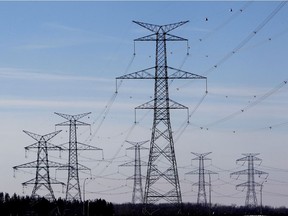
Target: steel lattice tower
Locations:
point(162, 182)
point(73, 191)
point(42, 164)
point(137, 195)
point(201, 198)
point(251, 198)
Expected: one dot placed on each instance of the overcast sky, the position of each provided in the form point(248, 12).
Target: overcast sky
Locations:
point(64, 57)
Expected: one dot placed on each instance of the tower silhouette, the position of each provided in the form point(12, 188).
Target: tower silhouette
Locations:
point(201, 172)
point(162, 182)
point(251, 198)
point(137, 195)
point(73, 191)
point(42, 165)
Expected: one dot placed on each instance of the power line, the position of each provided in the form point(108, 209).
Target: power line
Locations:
point(247, 39)
point(231, 18)
point(254, 103)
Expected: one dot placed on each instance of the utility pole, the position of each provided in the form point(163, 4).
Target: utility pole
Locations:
point(73, 191)
point(201, 171)
point(42, 165)
point(251, 198)
point(137, 195)
point(162, 182)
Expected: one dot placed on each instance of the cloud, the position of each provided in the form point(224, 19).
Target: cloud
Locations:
point(64, 27)
point(28, 74)
point(59, 35)
point(35, 103)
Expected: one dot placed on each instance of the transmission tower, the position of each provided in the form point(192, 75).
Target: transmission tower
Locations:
point(42, 164)
point(162, 182)
point(137, 196)
point(251, 198)
point(73, 191)
point(201, 171)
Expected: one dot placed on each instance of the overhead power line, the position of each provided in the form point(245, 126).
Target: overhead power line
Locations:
point(247, 39)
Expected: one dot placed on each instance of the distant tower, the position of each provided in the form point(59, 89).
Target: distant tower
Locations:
point(137, 196)
point(201, 198)
point(162, 182)
point(73, 191)
point(251, 198)
point(42, 164)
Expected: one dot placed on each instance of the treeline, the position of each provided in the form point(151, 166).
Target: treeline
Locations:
point(26, 206)
point(16, 205)
point(195, 210)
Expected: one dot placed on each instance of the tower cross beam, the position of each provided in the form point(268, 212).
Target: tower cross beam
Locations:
point(157, 28)
point(73, 117)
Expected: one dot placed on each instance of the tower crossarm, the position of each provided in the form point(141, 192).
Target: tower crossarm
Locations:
point(136, 176)
point(137, 144)
point(241, 172)
point(249, 155)
point(80, 146)
point(205, 171)
point(204, 158)
point(75, 122)
point(151, 27)
point(72, 117)
point(201, 156)
point(180, 74)
point(79, 167)
point(45, 137)
point(170, 37)
point(151, 105)
point(156, 28)
point(259, 172)
point(32, 181)
point(49, 146)
point(132, 163)
point(83, 146)
point(153, 37)
point(34, 164)
point(54, 181)
point(171, 105)
point(142, 74)
point(248, 184)
point(175, 74)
